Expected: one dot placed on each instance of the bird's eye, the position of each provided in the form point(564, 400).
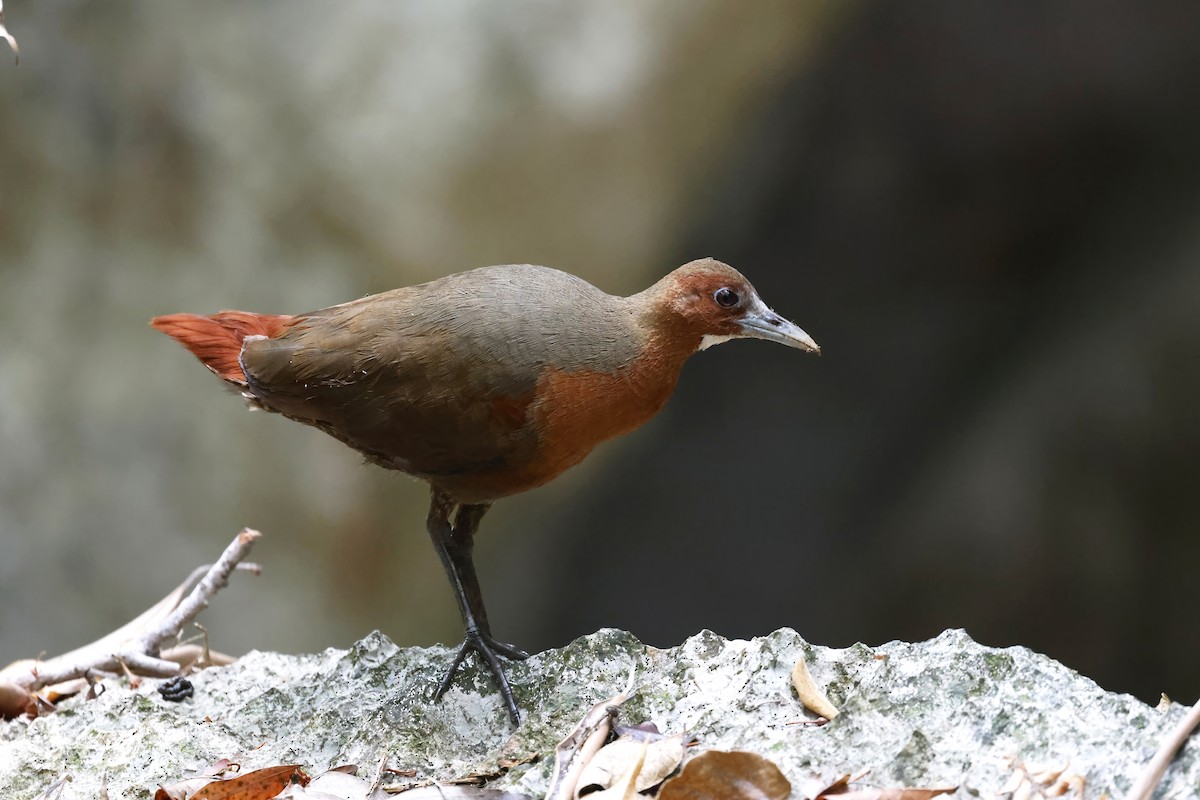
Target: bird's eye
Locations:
point(726, 297)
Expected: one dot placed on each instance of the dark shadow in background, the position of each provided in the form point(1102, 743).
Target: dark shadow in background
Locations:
point(987, 215)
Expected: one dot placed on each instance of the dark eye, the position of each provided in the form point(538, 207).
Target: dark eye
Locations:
point(726, 297)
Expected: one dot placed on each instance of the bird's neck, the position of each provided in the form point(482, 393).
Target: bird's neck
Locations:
point(670, 337)
point(646, 382)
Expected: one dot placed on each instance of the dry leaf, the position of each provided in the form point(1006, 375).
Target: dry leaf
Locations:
point(297, 792)
point(517, 761)
point(815, 787)
point(336, 784)
point(873, 793)
point(15, 701)
point(1038, 783)
point(58, 691)
point(747, 776)
point(625, 786)
point(812, 697)
point(182, 790)
point(261, 784)
point(573, 753)
point(646, 729)
point(839, 789)
point(193, 655)
point(4, 34)
point(222, 768)
point(661, 754)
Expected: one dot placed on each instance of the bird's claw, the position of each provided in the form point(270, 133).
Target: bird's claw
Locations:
point(490, 651)
point(508, 650)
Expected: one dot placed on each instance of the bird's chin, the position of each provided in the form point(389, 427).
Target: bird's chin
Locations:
point(712, 340)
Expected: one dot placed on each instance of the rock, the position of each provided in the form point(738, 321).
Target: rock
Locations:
point(943, 712)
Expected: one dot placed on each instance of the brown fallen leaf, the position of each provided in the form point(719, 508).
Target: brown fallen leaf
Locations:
point(15, 700)
point(715, 773)
point(660, 756)
point(810, 695)
point(261, 784)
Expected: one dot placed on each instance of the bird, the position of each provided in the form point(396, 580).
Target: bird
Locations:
point(483, 384)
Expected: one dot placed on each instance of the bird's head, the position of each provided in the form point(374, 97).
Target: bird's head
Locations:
point(709, 302)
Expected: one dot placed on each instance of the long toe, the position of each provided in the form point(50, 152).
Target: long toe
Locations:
point(490, 651)
point(507, 650)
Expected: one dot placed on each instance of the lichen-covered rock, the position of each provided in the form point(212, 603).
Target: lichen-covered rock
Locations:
point(943, 712)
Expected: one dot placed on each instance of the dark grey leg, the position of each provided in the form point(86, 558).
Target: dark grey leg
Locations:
point(455, 545)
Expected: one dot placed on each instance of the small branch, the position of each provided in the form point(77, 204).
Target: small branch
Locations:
point(1148, 782)
point(377, 780)
point(4, 34)
point(213, 581)
point(55, 789)
point(142, 664)
point(137, 643)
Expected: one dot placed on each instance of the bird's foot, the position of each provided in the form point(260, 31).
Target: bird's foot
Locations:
point(490, 651)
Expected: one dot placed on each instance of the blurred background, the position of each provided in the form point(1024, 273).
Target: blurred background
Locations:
point(988, 214)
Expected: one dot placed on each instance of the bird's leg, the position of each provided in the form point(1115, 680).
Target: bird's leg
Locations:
point(455, 545)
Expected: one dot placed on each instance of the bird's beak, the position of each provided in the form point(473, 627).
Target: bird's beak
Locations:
point(761, 322)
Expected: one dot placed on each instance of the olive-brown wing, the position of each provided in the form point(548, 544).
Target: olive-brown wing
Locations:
point(390, 380)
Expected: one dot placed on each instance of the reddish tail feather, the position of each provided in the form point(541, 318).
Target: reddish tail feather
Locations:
point(217, 339)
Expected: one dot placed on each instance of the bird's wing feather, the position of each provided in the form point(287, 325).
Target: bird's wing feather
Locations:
point(412, 378)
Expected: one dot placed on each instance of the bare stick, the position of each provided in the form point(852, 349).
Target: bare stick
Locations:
point(138, 643)
point(213, 581)
point(1146, 784)
point(4, 34)
point(377, 781)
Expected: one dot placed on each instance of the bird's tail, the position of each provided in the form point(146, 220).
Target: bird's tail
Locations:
point(217, 339)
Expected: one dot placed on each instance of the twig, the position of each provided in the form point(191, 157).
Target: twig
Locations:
point(377, 780)
point(4, 34)
point(572, 753)
point(55, 790)
point(137, 643)
point(212, 582)
point(1148, 782)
